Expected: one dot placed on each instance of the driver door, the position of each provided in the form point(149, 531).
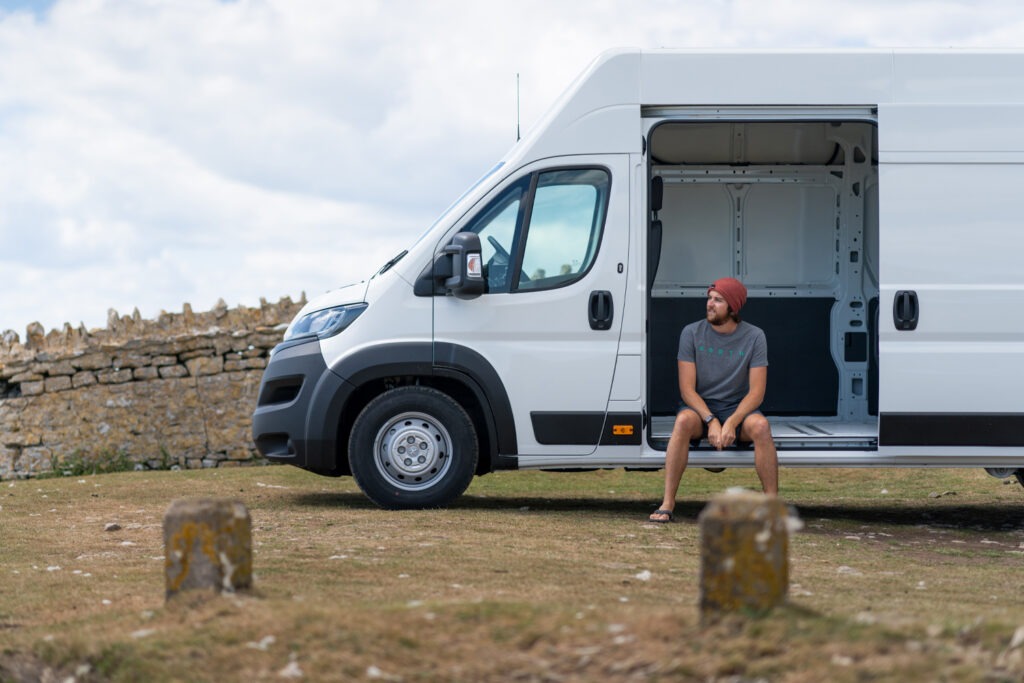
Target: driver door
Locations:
point(554, 238)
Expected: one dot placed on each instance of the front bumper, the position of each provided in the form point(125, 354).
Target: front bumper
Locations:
point(298, 409)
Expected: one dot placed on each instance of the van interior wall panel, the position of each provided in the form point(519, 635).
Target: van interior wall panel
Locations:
point(688, 246)
point(802, 376)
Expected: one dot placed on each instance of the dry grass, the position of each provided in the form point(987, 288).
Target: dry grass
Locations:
point(530, 576)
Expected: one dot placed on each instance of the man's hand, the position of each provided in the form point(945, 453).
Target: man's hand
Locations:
point(728, 434)
point(715, 434)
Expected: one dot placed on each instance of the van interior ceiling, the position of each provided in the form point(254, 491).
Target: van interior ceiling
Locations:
point(791, 209)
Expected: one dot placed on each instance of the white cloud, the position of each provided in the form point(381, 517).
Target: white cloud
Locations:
point(172, 150)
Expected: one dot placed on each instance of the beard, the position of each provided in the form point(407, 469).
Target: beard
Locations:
point(715, 319)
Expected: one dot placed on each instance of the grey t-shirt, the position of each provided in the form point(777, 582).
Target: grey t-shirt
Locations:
point(723, 360)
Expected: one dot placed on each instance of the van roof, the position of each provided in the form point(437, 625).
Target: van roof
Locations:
point(600, 111)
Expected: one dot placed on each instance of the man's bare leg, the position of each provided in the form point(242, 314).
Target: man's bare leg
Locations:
point(756, 428)
point(687, 426)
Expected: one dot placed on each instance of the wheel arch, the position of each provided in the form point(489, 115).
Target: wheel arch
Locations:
point(457, 371)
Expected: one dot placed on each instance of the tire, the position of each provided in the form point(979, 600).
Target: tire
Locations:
point(412, 448)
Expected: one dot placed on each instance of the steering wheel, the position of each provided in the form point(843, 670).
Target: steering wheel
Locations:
point(498, 248)
point(502, 257)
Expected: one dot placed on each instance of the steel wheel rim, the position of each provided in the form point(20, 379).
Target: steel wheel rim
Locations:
point(412, 451)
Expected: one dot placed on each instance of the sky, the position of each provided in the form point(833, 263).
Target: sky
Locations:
point(156, 152)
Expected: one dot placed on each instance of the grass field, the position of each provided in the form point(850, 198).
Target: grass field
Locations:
point(899, 575)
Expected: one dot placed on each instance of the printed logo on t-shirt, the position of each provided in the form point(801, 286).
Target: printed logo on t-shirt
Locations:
point(720, 352)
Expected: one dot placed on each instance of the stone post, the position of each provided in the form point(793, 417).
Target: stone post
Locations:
point(744, 553)
point(207, 545)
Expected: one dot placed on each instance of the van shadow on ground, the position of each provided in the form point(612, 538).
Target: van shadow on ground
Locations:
point(992, 517)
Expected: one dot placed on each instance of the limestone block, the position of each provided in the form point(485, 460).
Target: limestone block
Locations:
point(744, 553)
point(209, 365)
point(57, 383)
point(194, 343)
point(34, 336)
point(194, 463)
point(221, 345)
point(209, 462)
point(220, 309)
point(266, 341)
point(27, 377)
point(114, 376)
point(10, 369)
point(256, 363)
point(129, 360)
point(31, 388)
point(254, 353)
point(169, 371)
point(223, 463)
point(61, 368)
point(233, 365)
point(188, 355)
point(145, 373)
point(164, 360)
point(7, 457)
point(19, 434)
point(207, 545)
point(83, 379)
point(92, 361)
point(34, 460)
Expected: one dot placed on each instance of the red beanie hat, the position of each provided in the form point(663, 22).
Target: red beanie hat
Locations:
point(732, 290)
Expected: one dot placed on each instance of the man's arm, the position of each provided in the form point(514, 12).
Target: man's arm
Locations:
point(688, 388)
point(758, 379)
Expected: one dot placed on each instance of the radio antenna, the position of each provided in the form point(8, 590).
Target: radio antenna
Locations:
point(517, 106)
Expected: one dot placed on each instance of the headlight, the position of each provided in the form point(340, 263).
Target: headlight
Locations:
point(325, 323)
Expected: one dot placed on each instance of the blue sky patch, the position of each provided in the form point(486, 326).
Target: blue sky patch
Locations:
point(36, 7)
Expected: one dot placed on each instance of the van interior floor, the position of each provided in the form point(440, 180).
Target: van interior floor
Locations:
point(794, 433)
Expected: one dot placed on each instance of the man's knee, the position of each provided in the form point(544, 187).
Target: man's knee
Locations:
point(757, 427)
point(687, 422)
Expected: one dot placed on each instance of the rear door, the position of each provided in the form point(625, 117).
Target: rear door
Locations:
point(554, 237)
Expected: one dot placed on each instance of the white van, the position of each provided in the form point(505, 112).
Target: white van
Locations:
point(869, 200)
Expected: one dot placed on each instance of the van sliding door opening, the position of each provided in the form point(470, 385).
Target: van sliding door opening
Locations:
point(790, 208)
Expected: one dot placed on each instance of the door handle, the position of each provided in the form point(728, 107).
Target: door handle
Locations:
point(601, 310)
point(905, 310)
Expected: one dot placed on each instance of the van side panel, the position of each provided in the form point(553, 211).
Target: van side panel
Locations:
point(958, 77)
point(950, 179)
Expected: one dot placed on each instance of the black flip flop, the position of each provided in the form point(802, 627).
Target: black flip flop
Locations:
point(671, 517)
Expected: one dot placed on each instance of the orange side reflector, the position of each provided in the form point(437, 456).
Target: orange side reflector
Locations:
point(622, 430)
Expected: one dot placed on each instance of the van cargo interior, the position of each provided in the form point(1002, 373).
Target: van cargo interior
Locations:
point(791, 209)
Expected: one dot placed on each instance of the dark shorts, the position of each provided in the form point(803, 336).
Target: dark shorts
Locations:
point(722, 410)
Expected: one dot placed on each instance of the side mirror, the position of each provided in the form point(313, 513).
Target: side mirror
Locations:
point(467, 281)
point(457, 270)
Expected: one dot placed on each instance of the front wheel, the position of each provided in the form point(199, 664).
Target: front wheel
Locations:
point(413, 447)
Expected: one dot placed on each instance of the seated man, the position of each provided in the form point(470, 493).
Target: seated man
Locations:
point(723, 371)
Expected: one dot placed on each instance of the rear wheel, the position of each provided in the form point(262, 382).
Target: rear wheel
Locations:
point(413, 447)
point(1006, 472)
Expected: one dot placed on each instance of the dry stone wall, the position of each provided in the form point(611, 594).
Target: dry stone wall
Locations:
point(175, 391)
